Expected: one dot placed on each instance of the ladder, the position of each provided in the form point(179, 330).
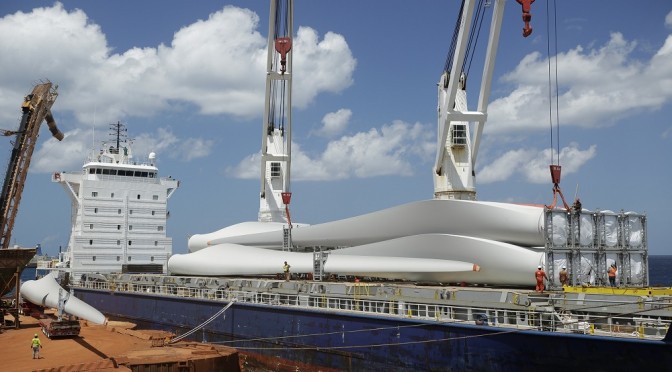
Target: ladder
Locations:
point(319, 258)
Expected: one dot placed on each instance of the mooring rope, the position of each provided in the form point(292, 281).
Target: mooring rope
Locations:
point(199, 327)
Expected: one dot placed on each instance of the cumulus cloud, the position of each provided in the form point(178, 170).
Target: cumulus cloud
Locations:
point(532, 164)
point(376, 152)
point(668, 20)
point(165, 142)
point(597, 87)
point(56, 155)
point(334, 123)
point(216, 65)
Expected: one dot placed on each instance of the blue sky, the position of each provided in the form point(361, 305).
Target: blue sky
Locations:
point(188, 77)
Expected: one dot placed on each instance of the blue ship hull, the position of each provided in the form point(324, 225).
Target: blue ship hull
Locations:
point(348, 341)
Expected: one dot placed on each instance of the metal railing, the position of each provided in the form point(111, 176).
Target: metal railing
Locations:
point(526, 318)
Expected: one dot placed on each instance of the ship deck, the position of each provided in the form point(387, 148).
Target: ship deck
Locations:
point(640, 313)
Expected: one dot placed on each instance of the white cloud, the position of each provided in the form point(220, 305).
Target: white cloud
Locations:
point(66, 155)
point(216, 65)
point(326, 66)
point(533, 164)
point(668, 20)
point(667, 133)
point(162, 143)
point(194, 148)
point(376, 152)
point(334, 123)
point(597, 87)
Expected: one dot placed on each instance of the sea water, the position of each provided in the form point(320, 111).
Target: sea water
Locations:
point(660, 271)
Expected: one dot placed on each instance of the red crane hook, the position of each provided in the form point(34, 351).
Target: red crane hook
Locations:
point(527, 17)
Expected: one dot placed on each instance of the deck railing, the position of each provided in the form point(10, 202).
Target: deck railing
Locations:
point(535, 318)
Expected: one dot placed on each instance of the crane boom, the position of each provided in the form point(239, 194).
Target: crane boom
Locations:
point(36, 108)
point(454, 168)
point(276, 136)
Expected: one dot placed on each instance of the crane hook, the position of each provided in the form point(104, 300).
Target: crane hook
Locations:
point(527, 17)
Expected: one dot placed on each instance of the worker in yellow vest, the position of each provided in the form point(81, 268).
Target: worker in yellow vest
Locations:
point(36, 345)
point(285, 269)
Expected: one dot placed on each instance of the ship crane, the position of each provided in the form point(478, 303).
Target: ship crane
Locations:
point(276, 137)
point(36, 108)
point(454, 168)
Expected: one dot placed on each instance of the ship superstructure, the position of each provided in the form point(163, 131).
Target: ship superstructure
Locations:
point(119, 211)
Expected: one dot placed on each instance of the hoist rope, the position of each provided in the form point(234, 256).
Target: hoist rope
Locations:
point(477, 25)
point(555, 144)
point(475, 31)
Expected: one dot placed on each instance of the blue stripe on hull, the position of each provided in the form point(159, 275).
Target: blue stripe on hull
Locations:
point(391, 343)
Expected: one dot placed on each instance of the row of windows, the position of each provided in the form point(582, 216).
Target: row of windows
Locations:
point(130, 242)
point(119, 258)
point(122, 172)
point(130, 211)
point(95, 195)
point(130, 227)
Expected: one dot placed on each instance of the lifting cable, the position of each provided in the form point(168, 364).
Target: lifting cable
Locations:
point(474, 34)
point(475, 30)
point(281, 30)
point(550, 80)
point(555, 168)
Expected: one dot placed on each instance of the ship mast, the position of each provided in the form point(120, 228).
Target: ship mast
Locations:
point(276, 136)
point(119, 133)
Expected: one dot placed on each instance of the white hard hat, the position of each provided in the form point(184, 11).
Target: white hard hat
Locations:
point(564, 267)
point(539, 267)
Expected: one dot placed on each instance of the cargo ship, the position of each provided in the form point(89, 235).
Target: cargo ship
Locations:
point(440, 284)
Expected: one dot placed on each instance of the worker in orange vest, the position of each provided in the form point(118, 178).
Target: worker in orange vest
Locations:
point(540, 275)
point(612, 275)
